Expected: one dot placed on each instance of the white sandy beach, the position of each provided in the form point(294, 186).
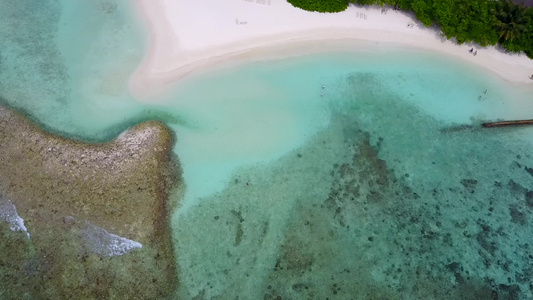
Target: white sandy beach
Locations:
point(187, 36)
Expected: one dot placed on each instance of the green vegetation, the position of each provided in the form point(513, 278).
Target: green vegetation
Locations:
point(484, 22)
point(321, 5)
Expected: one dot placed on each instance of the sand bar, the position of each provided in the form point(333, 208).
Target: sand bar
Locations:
point(187, 36)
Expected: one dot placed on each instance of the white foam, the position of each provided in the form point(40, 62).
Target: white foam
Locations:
point(97, 240)
point(8, 214)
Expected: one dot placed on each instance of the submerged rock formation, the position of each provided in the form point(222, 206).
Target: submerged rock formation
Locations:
point(96, 214)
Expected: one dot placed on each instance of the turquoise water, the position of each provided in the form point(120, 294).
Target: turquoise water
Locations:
point(67, 63)
point(372, 190)
point(384, 195)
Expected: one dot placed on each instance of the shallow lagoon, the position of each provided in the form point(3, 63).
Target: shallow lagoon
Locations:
point(372, 190)
point(369, 191)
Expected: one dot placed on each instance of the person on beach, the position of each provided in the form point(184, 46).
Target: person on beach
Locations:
point(531, 77)
point(475, 53)
point(471, 50)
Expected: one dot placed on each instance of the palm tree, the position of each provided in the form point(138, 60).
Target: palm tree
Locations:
point(510, 19)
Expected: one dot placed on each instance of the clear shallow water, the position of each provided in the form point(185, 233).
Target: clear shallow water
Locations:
point(369, 191)
point(387, 199)
point(67, 63)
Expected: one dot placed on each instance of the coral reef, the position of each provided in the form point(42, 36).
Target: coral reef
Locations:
point(88, 209)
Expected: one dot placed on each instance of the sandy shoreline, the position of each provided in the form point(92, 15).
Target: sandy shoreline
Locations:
point(181, 42)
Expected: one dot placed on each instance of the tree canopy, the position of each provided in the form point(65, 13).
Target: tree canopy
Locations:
point(321, 5)
point(485, 22)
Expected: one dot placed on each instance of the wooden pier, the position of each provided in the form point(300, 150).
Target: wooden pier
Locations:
point(507, 123)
